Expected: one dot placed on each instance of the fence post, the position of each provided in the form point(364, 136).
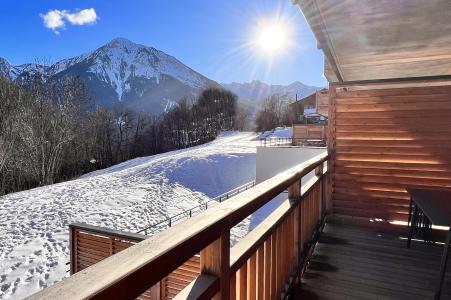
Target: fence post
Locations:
point(294, 194)
point(215, 260)
point(73, 249)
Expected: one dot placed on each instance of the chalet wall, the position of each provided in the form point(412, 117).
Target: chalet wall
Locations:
point(386, 140)
point(322, 102)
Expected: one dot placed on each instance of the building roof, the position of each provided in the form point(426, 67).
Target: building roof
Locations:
point(308, 96)
point(368, 40)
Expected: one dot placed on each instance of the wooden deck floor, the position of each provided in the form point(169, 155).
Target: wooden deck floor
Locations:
point(355, 263)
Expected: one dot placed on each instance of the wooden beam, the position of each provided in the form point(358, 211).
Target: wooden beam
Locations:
point(404, 80)
point(130, 236)
point(314, 17)
point(73, 249)
point(331, 145)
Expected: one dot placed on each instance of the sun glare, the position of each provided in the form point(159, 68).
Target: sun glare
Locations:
point(272, 38)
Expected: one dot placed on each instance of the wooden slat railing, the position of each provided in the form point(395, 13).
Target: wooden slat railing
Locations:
point(274, 251)
point(92, 244)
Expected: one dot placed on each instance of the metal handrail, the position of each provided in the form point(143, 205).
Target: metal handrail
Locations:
point(190, 212)
point(275, 141)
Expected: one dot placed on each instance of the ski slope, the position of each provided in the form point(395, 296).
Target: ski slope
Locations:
point(127, 196)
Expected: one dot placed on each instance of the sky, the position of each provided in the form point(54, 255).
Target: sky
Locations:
point(216, 38)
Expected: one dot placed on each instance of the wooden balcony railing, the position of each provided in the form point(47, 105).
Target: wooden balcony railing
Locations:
point(91, 244)
point(263, 265)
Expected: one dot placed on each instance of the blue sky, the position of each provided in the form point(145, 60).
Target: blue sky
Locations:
point(211, 37)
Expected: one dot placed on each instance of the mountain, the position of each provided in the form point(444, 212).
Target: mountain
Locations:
point(144, 78)
point(121, 71)
point(5, 68)
point(257, 91)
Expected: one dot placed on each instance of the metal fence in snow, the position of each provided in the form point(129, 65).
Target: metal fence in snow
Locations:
point(168, 222)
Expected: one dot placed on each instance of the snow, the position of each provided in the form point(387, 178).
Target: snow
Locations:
point(278, 132)
point(116, 63)
point(128, 196)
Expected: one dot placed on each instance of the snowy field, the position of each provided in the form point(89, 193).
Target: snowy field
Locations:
point(128, 196)
point(278, 132)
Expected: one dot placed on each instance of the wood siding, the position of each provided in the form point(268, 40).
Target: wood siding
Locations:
point(322, 102)
point(308, 132)
point(386, 140)
point(92, 247)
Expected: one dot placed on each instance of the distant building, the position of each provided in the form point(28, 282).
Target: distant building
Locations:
point(311, 107)
point(310, 116)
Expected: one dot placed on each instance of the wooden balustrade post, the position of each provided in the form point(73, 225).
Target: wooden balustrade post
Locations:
point(215, 260)
point(331, 146)
point(319, 171)
point(73, 249)
point(294, 194)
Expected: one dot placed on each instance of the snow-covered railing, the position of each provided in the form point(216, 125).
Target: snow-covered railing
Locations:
point(264, 264)
point(168, 222)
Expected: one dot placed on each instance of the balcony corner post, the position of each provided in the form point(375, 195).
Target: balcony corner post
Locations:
point(73, 249)
point(294, 194)
point(215, 260)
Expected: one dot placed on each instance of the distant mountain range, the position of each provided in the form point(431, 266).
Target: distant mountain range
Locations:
point(257, 91)
point(144, 78)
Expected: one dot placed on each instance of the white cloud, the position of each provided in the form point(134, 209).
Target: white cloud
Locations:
point(56, 19)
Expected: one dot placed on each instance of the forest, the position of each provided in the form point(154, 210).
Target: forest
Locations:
point(51, 130)
point(275, 112)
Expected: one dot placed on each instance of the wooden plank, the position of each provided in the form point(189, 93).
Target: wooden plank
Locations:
point(409, 166)
point(242, 283)
point(274, 253)
point(108, 232)
point(439, 113)
point(233, 287)
point(406, 99)
point(267, 270)
point(360, 265)
point(203, 287)
point(251, 278)
point(260, 265)
point(411, 91)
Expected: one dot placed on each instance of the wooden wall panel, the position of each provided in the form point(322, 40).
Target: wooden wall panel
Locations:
point(386, 140)
point(304, 132)
point(322, 102)
point(94, 247)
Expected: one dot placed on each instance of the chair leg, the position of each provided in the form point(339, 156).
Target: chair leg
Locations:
point(413, 224)
point(438, 290)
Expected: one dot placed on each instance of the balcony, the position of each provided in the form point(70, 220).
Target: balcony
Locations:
point(267, 261)
point(340, 234)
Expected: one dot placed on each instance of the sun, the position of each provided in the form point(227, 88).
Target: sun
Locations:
point(272, 38)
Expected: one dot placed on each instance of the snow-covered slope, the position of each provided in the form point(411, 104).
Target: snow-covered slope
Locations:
point(257, 91)
point(278, 132)
point(140, 77)
point(128, 196)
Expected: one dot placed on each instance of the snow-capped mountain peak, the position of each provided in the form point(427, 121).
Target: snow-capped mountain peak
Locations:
point(121, 60)
point(141, 77)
